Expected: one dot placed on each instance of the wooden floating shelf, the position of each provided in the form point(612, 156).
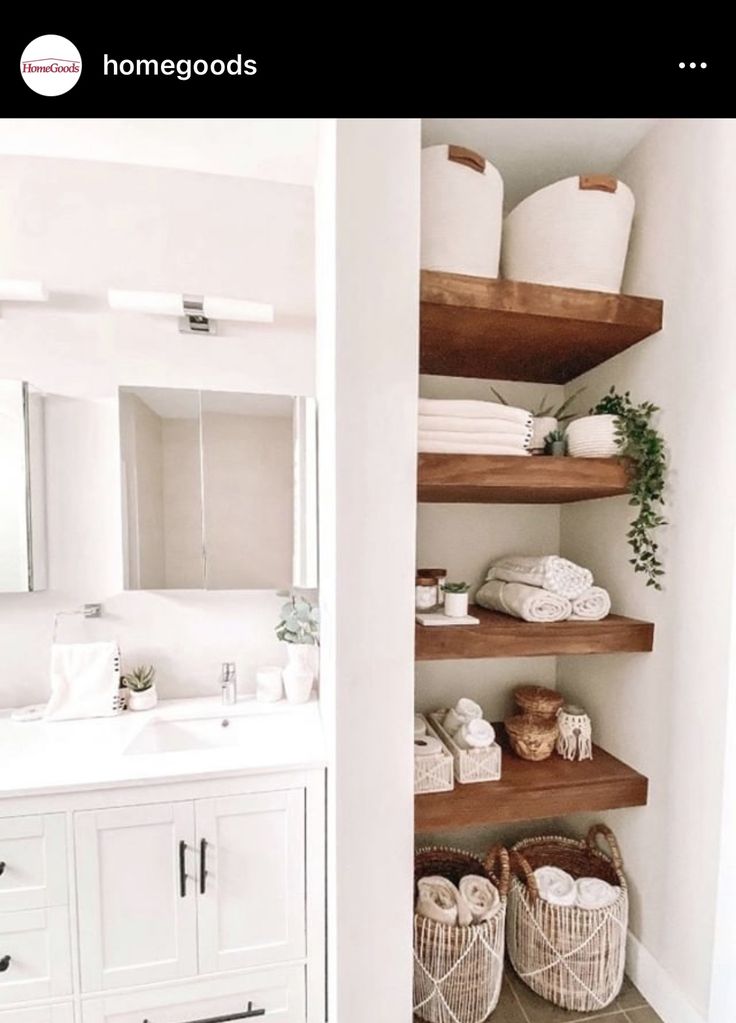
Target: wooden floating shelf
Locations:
point(507, 479)
point(500, 635)
point(511, 330)
point(531, 791)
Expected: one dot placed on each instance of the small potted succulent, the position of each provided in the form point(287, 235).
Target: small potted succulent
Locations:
point(141, 686)
point(456, 599)
point(554, 443)
point(298, 627)
point(546, 417)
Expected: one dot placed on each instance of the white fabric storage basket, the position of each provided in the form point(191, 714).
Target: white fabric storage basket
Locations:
point(462, 203)
point(572, 957)
point(470, 764)
point(593, 437)
point(572, 234)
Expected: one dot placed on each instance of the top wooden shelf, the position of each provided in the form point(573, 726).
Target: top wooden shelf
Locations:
point(511, 330)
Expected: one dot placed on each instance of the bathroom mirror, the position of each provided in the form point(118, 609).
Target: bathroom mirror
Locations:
point(22, 493)
point(219, 489)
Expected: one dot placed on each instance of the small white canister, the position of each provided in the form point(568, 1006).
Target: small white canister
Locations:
point(269, 684)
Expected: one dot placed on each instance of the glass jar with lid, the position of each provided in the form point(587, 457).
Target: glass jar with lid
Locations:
point(426, 593)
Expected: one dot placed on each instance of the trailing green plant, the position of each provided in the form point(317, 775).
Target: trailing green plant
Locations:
point(140, 679)
point(299, 622)
point(561, 413)
point(644, 445)
point(456, 587)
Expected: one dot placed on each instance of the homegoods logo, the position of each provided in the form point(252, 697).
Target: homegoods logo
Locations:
point(51, 65)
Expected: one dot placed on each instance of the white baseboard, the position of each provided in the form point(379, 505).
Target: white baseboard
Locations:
point(657, 985)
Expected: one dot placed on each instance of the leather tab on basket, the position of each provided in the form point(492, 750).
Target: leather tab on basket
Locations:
point(598, 183)
point(459, 154)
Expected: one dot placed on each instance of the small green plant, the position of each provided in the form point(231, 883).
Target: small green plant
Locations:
point(555, 437)
point(140, 679)
point(299, 622)
point(456, 587)
point(561, 414)
point(644, 445)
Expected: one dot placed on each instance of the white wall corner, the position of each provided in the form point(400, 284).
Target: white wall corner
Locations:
point(657, 985)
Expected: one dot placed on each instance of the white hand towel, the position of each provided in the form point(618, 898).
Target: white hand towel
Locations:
point(464, 710)
point(556, 886)
point(440, 900)
point(420, 726)
point(593, 893)
point(502, 440)
point(475, 734)
point(592, 605)
point(473, 410)
point(461, 425)
point(85, 678)
point(427, 746)
point(481, 896)
point(527, 602)
point(446, 447)
point(550, 572)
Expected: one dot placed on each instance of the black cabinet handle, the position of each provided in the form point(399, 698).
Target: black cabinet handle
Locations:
point(203, 866)
point(248, 1014)
point(182, 869)
point(2, 867)
point(4, 963)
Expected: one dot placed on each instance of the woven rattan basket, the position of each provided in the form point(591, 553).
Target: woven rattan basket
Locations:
point(458, 970)
point(570, 956)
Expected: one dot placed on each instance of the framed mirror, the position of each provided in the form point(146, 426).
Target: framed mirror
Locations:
point(219, 489)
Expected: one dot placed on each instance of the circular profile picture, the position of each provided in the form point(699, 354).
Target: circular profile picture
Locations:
point(51, 65)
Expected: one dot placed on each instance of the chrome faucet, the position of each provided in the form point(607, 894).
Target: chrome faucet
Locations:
point(229, 682)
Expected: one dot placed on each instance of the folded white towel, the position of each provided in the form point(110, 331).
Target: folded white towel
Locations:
point(473, 410)
point(440, 900)
point(527, 602)
point(447, 447)
point(593, 893)
point(464, 710)
point(85, 678)
point(481, 896)
point(592, 605)
point(504, 440)
point(556, 886)
point(550, 572)
point(475, 734)
point(420, 726)
point(426, 746)
point(479, 424)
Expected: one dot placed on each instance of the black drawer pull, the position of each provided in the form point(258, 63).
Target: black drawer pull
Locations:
point(203, 866)
point(249, 1013)
point(2, 867)
point(4, 963)
point(182, 869)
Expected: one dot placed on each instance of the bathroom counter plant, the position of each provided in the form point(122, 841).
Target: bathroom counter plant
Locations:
point(298, 627)
point(141, 686)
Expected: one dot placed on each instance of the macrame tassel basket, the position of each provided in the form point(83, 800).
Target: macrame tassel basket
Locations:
point(570, 956)
point(458, 970)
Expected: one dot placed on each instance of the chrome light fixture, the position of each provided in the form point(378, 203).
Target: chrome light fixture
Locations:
point(197, 313)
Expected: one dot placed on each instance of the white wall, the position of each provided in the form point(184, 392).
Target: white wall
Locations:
point(665, 712)
point(13, 491)
point(368, 280)
point(82, 227)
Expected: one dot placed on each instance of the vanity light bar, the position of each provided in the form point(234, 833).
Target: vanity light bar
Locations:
point(196, 312)
point(23, 291)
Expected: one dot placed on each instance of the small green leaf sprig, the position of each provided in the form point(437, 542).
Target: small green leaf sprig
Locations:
point(299, 622)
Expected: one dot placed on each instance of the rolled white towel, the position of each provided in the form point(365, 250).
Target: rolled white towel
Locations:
point(507, 440)
point(556, 886)
point(481, 896)
point(464, 710)
point(473, 410)
point(594, 893)
point(440, 900)
point(548, 571)
point(420, 726)
point(527, 602)
point(479, 424)
point(592, 605)
point(475, 734)
point(446, 447)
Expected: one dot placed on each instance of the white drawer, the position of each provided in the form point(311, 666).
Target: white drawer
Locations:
point(280, 991)
point(34, 955)
point(46, 1014)
point(33, 862)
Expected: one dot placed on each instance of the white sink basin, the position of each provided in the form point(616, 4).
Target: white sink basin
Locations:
point(198, 733)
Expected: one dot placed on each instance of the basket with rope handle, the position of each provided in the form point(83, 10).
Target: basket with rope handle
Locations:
point(571, 956)
point(458, 970)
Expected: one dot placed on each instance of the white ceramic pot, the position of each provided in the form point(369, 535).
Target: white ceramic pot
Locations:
point(299, 672)
point(456, 604)
point(593, 437)
point(145, 700)
point(269, 684)
point(541, 426)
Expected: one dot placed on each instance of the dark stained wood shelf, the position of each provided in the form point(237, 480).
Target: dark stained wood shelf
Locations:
point(531, 791)
point(512, 330)
point(500, 635)
point(507, 479)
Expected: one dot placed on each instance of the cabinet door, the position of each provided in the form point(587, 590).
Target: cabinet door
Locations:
point(137, 896)
point(42, 1014)
point(34, 955)
point(251, 901)
point(33, 862)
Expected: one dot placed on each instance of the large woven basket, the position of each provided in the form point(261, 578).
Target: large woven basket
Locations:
point(570, 956)
point(458, 970)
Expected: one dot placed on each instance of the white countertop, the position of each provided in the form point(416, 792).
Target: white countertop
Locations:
point(39, 757)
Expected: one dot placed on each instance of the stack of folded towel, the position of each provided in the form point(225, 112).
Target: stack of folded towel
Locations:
point(543, 589)
point(561, 889)
point(464, 722)
point(473, 428)
point(473, 901)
